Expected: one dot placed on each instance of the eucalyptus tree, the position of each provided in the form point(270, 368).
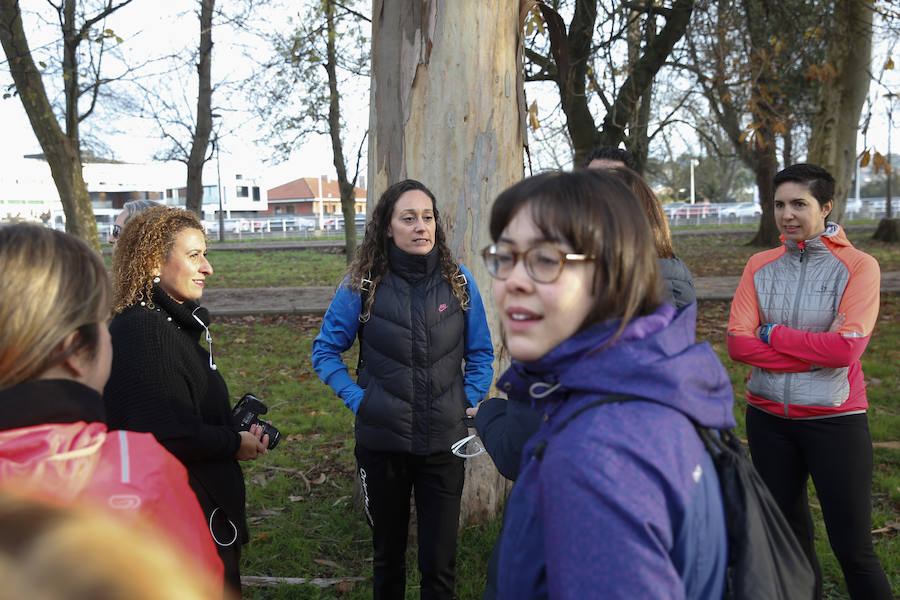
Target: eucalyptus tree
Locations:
point(446, 108)
point(81, 75)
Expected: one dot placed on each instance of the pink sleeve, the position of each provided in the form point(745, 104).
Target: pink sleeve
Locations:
point(743, 345)
point(825, 349)
point(753, 351)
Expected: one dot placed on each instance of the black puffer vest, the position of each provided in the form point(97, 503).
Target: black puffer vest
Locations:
point(413, 346)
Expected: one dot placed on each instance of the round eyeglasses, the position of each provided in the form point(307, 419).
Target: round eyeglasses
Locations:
point(543, 262)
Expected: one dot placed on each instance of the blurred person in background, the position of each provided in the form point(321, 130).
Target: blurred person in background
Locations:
point(129, 209)
point(676, 276)
point(607, 157)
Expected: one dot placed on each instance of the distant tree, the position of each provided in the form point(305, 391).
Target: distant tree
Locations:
point(84, 40)
point(750, 59)
point(844, 77)
point(198, 154)
point(603, 65)
point(300, 89)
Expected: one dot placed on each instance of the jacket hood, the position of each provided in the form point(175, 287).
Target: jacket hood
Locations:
point(655, 357)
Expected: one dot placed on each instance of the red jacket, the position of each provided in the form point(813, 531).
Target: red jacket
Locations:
point(121, 472)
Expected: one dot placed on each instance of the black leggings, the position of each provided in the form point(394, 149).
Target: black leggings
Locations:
point(837, 453)
point(387, 479)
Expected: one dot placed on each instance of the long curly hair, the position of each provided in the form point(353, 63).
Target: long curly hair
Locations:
point(144, 246)
point(370, 264)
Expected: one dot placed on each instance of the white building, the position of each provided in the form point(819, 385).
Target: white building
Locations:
point(27, 190)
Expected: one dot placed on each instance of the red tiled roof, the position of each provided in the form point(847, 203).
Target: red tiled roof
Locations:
point(293, 190)
point(330, 189)
point(307, 188)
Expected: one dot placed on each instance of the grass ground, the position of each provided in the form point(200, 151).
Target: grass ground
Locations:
point(299, 496)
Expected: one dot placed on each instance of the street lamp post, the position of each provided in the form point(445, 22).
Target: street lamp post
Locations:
point(887, 201)
point(219, 192)
point(693, 163)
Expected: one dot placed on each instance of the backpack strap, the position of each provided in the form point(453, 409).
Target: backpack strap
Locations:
point(363, 297)
point(541, 446)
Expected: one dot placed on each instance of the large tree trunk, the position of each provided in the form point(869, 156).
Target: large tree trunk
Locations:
point(764, 168)
point(200, 143)
point(446, 108)
point(833, 142)
point(61, 150)
point(638, 142)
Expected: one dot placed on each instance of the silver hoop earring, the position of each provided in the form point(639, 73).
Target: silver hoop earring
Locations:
point(156, 280)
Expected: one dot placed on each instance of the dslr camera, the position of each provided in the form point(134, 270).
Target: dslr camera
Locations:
point(246, 413)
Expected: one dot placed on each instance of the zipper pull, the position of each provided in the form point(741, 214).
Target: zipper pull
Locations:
point(802, 246)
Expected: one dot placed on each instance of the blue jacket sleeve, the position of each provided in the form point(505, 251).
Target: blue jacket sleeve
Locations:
point(339, 328)
point(504, 426)
point(479, 353)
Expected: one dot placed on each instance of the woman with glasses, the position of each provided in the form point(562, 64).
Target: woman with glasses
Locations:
point(165, 382)
point(55, 355)
point(425, 355)
point(616, 496)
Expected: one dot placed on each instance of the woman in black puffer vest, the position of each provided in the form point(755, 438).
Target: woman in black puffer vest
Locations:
point(426, 355)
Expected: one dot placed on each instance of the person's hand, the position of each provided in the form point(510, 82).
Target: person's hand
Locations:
point(472, 411)
point(836, 324)
point(253, 443)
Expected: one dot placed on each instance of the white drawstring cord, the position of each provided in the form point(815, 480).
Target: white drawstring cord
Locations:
point(212, 365)
point(215, 539)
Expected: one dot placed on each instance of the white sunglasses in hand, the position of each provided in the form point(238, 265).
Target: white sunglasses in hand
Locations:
point(460, 448)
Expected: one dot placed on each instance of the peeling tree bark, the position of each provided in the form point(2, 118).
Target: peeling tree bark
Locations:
point(446, 109)
point(833, 141)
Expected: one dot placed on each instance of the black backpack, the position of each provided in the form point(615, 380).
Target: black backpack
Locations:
point(765, 561)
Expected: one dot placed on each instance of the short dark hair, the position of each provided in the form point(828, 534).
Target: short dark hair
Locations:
point(596, 214)
point(819, 181)
point(611, 153)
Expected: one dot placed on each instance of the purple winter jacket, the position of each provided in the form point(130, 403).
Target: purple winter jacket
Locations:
point(625, 502)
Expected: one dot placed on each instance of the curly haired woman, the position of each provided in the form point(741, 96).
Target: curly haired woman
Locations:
point(164, 382)
point(423, 318)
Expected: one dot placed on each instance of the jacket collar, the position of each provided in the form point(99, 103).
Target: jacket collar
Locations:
point(551, 370)
point(413, 267)
point(833, 235)
point(49, 401)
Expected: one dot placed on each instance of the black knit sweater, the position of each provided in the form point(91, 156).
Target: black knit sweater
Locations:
point(161, 382)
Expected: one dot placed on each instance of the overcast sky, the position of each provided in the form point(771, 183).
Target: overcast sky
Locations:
point(152, 28)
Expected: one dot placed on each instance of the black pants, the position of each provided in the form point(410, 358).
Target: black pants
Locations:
point(837, 453)
point(387, 479)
